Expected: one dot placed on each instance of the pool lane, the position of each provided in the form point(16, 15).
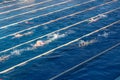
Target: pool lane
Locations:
point(37, 10)
point(85, 30)
point(12, 59)
point(49, 30)
point(103, 65)
point(49, 8)
point(18, 4)
point(7, 3)
point(23, 9)
point(65, 57)
point(63, 10)
point(88, 69)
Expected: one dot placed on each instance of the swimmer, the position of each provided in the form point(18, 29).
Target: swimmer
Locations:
point(18, 35)
point(93, 20)
point(50, 39)
point(82, 43)
point(39, 43)
point(96, 18)
point(21, 35)
point(86, 43)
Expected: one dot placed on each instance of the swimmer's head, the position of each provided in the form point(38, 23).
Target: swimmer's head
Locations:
point(18, 35)
point(39, 43)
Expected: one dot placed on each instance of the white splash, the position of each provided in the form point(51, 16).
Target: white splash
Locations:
point(50, 38)
point(53, 37)
point(105, 34)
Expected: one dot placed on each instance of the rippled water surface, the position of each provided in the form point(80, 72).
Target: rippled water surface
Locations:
point(59, 39)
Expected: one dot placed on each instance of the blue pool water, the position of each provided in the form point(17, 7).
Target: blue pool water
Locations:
point(87, 46)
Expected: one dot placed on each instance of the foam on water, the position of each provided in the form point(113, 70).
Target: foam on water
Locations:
point(4, 57)
point(105, 34)
point(49, 39)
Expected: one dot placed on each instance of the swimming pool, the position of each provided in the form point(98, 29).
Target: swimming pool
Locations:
point(81, 39)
